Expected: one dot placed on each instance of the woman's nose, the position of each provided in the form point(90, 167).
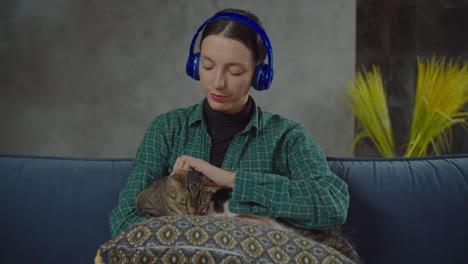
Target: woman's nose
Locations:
point(219, 81)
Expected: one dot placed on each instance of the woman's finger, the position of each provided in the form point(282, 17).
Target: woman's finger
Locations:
point(184, 163)
point(179, 163)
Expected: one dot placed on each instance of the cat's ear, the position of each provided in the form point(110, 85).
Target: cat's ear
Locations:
point(209, 185)
point(174, 181)
point(212, 189)
point(177, 177)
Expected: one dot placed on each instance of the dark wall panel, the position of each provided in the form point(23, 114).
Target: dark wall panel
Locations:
point(391, 35)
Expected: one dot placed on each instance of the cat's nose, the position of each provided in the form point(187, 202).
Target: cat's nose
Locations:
point(191, 211)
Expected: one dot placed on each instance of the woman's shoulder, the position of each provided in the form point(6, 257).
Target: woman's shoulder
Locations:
point(178, 116)
point(179, 112)
point(272, 120)
point(278, 126)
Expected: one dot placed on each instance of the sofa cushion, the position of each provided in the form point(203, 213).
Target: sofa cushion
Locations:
point(401, 209)
point(207, 239)
point(56, 209)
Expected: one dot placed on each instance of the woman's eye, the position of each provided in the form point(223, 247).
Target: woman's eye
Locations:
point(235, 73)
point(207, 68)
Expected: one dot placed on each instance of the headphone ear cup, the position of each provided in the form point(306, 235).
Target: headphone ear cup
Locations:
point(262, 77)
point(191, 68)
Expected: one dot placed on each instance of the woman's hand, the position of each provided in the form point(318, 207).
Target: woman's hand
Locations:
point(220, 177)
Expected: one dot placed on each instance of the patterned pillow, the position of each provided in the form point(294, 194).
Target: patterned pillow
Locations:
point(207, 239)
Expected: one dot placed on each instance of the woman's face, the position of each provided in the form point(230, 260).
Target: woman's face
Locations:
point(226, 71)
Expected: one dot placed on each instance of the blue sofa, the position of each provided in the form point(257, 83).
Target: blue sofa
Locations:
point(55, 210)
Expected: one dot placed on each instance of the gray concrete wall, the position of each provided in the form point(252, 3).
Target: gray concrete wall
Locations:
point(85, 78)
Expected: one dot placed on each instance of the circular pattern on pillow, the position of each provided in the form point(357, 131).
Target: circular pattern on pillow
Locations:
point(209, 239)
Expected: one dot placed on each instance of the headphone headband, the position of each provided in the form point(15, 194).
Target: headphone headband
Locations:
point(264, 72)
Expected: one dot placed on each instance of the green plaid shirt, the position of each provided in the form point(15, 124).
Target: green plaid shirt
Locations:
point(280, 170)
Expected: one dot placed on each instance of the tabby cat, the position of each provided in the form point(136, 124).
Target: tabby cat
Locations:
point(191, 193)
point(186, 193)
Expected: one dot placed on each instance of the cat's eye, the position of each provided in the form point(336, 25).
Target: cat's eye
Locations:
point(182, 203)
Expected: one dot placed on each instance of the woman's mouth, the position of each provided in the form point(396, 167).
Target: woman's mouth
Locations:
point(217, 98)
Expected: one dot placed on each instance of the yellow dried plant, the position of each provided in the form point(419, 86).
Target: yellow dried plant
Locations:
point(367, 100)
point(441, 94)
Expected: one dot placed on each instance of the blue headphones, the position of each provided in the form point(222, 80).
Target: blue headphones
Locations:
point(263, 73)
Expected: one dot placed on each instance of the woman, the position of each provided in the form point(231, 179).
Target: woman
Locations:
point(271, 163)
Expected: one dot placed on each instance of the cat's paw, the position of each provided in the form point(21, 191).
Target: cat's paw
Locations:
point(254, 219)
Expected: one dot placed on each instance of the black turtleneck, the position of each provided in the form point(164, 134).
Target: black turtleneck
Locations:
point(223, 127)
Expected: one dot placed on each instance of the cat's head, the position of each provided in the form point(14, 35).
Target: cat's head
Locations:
point(190, 192)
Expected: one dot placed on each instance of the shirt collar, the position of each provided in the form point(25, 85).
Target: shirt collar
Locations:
point(196, 115)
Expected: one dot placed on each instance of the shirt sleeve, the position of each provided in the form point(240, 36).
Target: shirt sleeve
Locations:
point(311, 196)
point(149, 163)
